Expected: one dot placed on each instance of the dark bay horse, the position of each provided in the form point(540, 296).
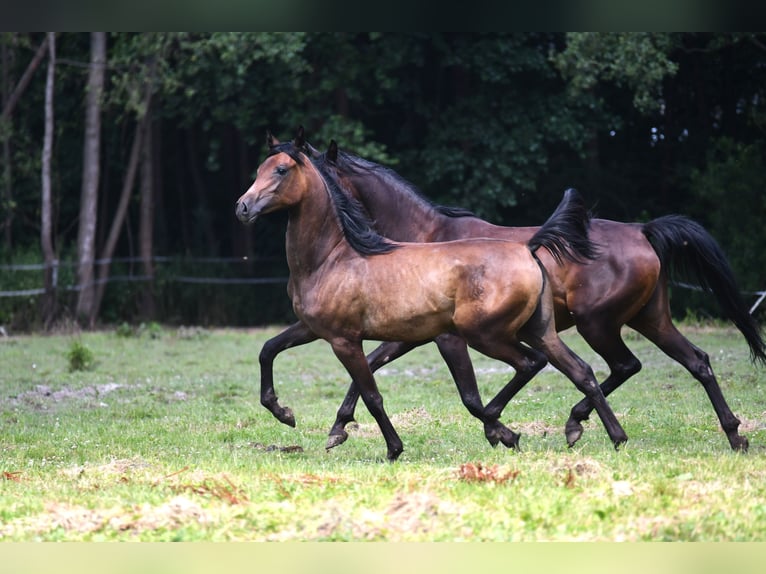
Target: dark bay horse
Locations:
point(348, 284)
point(626, 285)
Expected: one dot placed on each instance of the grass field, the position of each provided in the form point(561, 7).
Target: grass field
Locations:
point(159, 436)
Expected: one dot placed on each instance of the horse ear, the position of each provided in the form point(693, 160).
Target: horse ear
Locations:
point(271, 141)
point(332, 151)
point(300, 138)
point(311, 151)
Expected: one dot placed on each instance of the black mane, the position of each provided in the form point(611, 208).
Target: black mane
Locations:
point(356, 225)
point(350, 163)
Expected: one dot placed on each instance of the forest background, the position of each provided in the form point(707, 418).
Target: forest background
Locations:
point(122, 154)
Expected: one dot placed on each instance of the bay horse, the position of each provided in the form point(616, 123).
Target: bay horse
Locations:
point(626, 285)
point(348, 284)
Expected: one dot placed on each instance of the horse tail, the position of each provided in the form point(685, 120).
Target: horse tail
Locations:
point(688, 252)
point(565, 233)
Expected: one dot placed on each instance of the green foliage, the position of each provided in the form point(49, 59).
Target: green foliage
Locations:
point(499, 123)
point(80, 357)
point(732, 194)
point(637, 61)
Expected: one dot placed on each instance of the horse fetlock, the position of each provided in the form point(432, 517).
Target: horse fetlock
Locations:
point(580, 412)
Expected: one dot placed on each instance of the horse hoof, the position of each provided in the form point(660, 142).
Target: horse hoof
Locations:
point(510, 439)
point(573, 432)
point(285, 416)
point(619, 442)
point(336, 439)
point(394, 454)
point(739, 443)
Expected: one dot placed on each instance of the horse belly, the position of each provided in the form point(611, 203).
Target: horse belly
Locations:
point(381, 302)
point(417, 304)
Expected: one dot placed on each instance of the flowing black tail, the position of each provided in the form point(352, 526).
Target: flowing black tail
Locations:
point(689, 253)
point(565, 233)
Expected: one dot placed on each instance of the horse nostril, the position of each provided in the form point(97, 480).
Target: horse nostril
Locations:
point(242, 207)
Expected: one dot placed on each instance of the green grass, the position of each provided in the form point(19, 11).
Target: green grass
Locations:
point(163, 438)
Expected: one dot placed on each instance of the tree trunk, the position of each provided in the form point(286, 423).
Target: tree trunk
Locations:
point(46, 211)
point(146, 222)
point(119, 219)
point(89, 196)
point(13, 99)
point(9, 103)
point(137, 154)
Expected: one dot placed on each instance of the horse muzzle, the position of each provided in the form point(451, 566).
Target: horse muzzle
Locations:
point(247, 211)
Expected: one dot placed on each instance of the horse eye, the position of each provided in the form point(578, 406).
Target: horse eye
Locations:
point(281, 170)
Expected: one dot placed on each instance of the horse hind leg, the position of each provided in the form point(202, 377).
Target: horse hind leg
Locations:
point(697, 362)
point(542, 336)
point(604, 338)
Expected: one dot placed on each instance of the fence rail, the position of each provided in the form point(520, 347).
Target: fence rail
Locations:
point(760, 295)
point(56, 265)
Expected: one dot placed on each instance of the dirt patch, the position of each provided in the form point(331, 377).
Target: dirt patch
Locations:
point(751, 425)
point(44, 397)
point(479, 472)
point(536, 428)
point(41, 395)
point(402, 422)
point(408, 515)
point(79, 520)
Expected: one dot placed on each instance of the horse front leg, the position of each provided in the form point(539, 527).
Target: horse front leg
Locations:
point(454, 351)
point(351, 355)
point(295, 335)
point(382, 355)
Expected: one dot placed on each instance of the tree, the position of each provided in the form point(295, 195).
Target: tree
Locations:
point(10, 100)
point(46, 210)
point(86, 247)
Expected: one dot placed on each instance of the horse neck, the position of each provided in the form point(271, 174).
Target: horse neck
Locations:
point(313, 232)
point(398, 214)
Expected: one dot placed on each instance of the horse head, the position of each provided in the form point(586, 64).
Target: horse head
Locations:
point(279, 182)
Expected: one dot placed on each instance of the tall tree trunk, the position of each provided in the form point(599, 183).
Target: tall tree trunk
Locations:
point(146, 221)
point(119, 219)
point(46, 211)
point(137, 153)
point(10, 99)
point(14, 97)
point(90, 171)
